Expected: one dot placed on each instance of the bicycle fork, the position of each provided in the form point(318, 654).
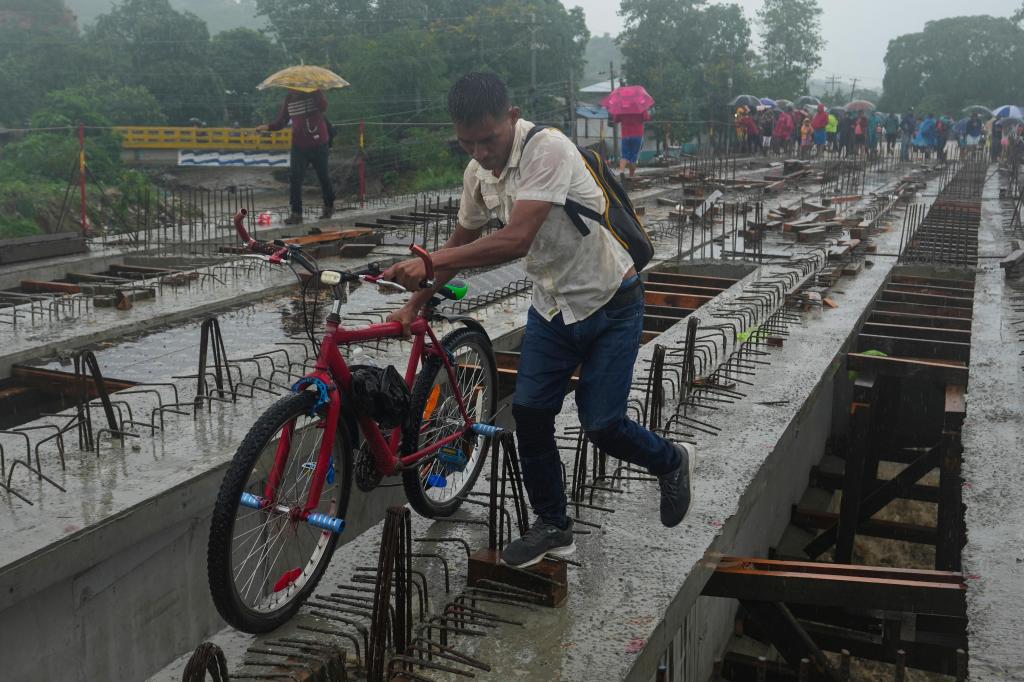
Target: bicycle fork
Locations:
point(325, 522)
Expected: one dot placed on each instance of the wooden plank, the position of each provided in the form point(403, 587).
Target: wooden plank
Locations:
point(933, 370)
point(888, 530)
point(34, 286)
point(1015, 258)
point(332, 236)
point(965, 284)
point(687, 301)
point(691, 280)
point(956, 401)
point(914, 347)
point(934, 290)
point(928, 299)
point(908, 331)
point(682, 289)
point(829, 589)
point(665, 311)
point(920, 320)
point(52, 381)
point(883, 305)
point(727, 563)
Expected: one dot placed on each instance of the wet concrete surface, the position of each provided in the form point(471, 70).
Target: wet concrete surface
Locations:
point(993, 469)
point(639, 583)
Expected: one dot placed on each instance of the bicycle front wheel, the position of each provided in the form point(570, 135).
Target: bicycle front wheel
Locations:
point(262, 564)
point(437, 485)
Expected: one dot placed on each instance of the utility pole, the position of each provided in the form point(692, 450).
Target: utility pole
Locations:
point(615, 129)
point(853, 89)
point(533, 65)
point(832, 84)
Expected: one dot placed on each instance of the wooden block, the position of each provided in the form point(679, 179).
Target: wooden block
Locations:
point(547, 579)
point(956, 402)
point(1013, 259)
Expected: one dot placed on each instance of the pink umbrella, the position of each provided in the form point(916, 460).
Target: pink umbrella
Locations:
point(629, 99)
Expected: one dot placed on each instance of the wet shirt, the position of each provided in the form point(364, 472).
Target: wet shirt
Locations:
point(306, 112)
point(572, 274)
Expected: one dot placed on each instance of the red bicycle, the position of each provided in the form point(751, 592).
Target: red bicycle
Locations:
point(282, 502)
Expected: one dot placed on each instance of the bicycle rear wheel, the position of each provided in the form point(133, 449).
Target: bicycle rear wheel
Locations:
point(262, 564)
point(436, 487)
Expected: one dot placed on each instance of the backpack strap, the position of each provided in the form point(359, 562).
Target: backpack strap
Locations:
point(572, 208)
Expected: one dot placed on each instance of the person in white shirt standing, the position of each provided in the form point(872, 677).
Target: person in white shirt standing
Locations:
point(587, 312)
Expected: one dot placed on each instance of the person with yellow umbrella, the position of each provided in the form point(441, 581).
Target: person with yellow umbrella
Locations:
point(305, 106)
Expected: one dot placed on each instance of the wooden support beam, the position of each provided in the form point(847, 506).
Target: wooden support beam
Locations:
point(52, 381)
point(890, 294)
point(930, 370)
point(691, 280)
point(965, 284)
point(914, 332)
point(915, 348)
point(325, 237)
point(872, 503)
point(888, 306)
point(951, 524)
point(789, 638)
point(666, 311)
point(35, 286)
point(682, 289)
point(888, 530)
point(920, 320)
point(853, 487)
point(839, 585)
point(688, 301)
point(833, 482)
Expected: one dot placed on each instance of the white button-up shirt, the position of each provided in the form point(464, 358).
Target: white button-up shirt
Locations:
point(572, 273)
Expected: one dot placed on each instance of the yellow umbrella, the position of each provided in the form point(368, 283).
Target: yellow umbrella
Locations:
point(304, 78)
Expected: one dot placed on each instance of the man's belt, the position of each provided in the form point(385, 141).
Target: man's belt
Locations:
point(631, 290)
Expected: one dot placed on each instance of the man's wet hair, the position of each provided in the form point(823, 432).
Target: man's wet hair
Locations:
point(476, 96)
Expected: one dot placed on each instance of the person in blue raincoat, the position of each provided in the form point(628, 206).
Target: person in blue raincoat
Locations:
point(926, 138)
point(875, 132)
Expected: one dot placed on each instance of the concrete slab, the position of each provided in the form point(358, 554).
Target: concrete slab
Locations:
point(993, 470)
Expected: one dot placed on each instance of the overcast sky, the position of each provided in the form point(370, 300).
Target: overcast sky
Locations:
point(857, 32)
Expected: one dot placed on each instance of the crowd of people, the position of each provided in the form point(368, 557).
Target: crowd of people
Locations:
point(795, 131)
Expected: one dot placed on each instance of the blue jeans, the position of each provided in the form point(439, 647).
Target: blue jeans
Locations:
point(604, 347)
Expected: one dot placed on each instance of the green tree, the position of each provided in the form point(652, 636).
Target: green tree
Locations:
point(953, 63)
point(165, 51)
point(692, 58)
point(243, 58)
point(791, 45)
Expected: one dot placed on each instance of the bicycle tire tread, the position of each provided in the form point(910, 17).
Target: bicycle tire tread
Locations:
point(225, 509)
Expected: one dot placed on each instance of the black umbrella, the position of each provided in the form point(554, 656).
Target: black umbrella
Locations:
point(807, 99)
point(746, 101)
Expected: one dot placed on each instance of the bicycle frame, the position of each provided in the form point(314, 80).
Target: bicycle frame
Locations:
point(332, 375)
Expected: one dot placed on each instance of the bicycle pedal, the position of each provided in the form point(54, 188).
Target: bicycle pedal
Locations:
point(453, 458)
point(252, 501)
point(487, 430)
point(437, 480)
point(325, 522)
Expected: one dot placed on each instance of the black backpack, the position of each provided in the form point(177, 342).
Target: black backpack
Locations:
point(619, 217)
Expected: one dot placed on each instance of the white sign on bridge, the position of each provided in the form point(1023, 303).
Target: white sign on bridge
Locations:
point(242, 159)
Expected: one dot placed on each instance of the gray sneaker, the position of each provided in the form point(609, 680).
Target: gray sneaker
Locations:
point(293, 219)
point(542, 539)
point(675, 487)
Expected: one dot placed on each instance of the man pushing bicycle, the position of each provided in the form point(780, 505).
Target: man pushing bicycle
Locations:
point(588, 302)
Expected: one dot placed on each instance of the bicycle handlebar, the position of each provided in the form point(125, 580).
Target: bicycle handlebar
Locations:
point(279, 251)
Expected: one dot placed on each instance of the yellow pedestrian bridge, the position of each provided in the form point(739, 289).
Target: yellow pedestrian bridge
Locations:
point(193, 138)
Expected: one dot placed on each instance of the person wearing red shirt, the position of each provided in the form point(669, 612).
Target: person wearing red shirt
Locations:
point(632, 139)
point(310, 145)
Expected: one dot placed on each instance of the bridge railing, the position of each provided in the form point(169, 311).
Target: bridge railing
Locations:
point(182, 137)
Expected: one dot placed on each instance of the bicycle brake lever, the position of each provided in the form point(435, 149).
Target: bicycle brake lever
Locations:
point(278, 256)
